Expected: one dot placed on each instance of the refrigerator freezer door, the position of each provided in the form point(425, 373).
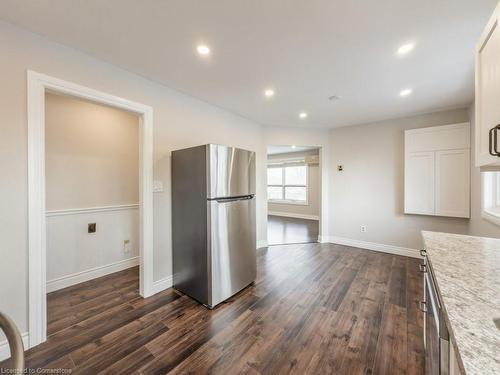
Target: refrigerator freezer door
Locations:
point(230, 172)
point(232, 247)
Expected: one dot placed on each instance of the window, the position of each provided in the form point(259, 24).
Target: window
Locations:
point(491, 196)
point(287, 184)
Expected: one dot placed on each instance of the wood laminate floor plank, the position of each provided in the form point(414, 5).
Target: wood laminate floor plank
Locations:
point(290, 230)
point(313, 309)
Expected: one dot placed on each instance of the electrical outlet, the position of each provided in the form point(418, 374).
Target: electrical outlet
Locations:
point(362, 228)
point(126, 246)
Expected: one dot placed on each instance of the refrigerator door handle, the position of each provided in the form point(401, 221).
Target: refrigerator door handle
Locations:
point(233, 199)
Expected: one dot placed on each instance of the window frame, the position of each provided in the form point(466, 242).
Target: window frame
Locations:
point(284, 185)
point(491, 197)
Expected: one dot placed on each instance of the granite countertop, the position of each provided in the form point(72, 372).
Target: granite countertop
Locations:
point(467, 272)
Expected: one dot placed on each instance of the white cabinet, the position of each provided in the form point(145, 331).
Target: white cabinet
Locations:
point(437, 171)
point(419, 183)
point(452, 183)
point(488, 93)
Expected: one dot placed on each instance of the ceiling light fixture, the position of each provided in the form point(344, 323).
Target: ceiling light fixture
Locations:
point(293, 146)
point(302, 114)
point(203, 50)
point(405, 92)
point(269, 93)
point(405, 48)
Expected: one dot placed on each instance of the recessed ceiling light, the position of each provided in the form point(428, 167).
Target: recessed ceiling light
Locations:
point(203, 50)
point(405, 92)
point(405, 48)
point(302, 114)
point(269, 93)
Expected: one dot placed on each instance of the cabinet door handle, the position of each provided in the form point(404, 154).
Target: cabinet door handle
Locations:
point(490, 142)
point(423, 267)
point(493, 141)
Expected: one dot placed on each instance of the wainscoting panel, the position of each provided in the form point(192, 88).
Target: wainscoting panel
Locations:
point(74, 255)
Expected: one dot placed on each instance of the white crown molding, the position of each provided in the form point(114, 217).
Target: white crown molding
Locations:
point(87, 210)
point(82, 276)
point(413, 253)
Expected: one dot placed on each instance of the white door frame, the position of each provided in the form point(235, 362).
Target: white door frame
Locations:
point(38, 84)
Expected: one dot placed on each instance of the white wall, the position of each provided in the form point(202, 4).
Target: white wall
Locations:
point(312, 208)
point(370, 190)
point(179, 121)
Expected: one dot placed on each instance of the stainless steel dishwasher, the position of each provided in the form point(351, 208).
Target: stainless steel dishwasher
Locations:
point(436, 336)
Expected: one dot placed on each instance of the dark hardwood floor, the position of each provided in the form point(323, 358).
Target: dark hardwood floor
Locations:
point(314, 309)
point(289, 230)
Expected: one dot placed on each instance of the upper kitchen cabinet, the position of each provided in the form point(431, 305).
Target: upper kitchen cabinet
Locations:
point(487, 131)
point(437, 171)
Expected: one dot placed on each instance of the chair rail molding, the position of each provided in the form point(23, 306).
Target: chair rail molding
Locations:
point(86, 210)
point(37, 85)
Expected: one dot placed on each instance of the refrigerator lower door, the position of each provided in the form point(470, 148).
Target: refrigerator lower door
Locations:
point(232, 247)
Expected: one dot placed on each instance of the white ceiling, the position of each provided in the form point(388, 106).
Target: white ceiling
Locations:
point(275, 150)
point(306, 50)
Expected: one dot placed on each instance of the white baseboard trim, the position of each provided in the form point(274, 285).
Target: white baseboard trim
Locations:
point(80, 277)
point(297, 216)
point(4, 346)
point(261, 243)
point(323, 239)
point(413, 253)
point(88, 210)
point(163, 284)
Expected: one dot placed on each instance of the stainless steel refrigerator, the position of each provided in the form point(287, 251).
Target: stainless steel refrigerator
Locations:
point(213, 221)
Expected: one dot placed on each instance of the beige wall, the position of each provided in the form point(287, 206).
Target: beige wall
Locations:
point(312, 208)
point(91, 154)
point(370, 190)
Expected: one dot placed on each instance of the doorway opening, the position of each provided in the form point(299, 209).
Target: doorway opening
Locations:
point(293, 194)
point(43, 277)
point(92, 207)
